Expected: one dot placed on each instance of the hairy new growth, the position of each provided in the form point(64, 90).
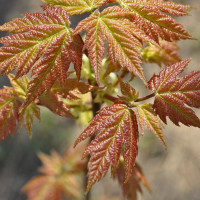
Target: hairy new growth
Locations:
point(88, 73)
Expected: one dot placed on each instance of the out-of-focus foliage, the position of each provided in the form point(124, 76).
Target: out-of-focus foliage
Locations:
point(61, 177)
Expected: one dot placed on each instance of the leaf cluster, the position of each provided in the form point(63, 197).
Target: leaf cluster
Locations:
point(76, 76)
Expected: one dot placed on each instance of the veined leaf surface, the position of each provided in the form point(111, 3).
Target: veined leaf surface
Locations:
point(44, 43)
point(150, 17)
point(115, 126)
point(53, 103)
point(9, 107)
point(133, 186)
point(74, 7)
point(173, 94)
point(122, 36)
point(147, 117)
point(19, 89)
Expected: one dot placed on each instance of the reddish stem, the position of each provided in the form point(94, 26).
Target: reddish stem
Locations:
point(145, 98)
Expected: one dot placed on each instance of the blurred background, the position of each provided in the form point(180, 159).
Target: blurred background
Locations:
point(173, 174)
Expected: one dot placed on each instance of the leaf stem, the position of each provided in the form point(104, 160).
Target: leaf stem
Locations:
point(111, 98)
point(145, 98)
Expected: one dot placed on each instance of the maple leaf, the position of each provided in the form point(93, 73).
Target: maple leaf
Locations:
point(53, 103)
point(19, 88)
point(132, 187)
point(149, 15)
point(170, 7)
point(172, 94)
point(116, 127)
point(147, 117)
point(166, 53)
point(27, 117)
point(44, 43)
point(122, 37)
point(59, 177)
point(9, 107)
point(72, 88)
point(70, 91)
point(74, 7)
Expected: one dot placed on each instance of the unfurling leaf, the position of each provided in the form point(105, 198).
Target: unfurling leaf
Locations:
point(174, 95)
point(19, 87)
point(44, 43)
point(147, 117)
point(59, 179)
point(53, 103)
point(166, 53)
point(128, 91)
point(72, 88)
point(132, 187)
point(27, 117)
point(74, 7)
point(9, 107)
point(116, 127)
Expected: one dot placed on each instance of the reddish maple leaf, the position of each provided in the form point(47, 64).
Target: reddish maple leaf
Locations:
point(19, 89)
point(44, 43)
point(147, 117)
point(53, 103)
point(9, 107)
point(132, 187)
point(74, 7)
point(115, 126)
point(150, 17)
point(72, 88)
point(128, 91)
point(122, 36)
point(172, 94)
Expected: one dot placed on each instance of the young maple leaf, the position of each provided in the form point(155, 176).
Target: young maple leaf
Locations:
point(147, 117)
point(172, 94)
point(72, 88)
point(132, 187)
point(149, 16)
point(59, 179)
point(9, 108)
point(53, 103)
point(128, 91)
point(19, 87)
point(27, 117)
point(44, 43)
point(115, 126)
point(74, 7)
point(122, 36)
point(166, 53)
